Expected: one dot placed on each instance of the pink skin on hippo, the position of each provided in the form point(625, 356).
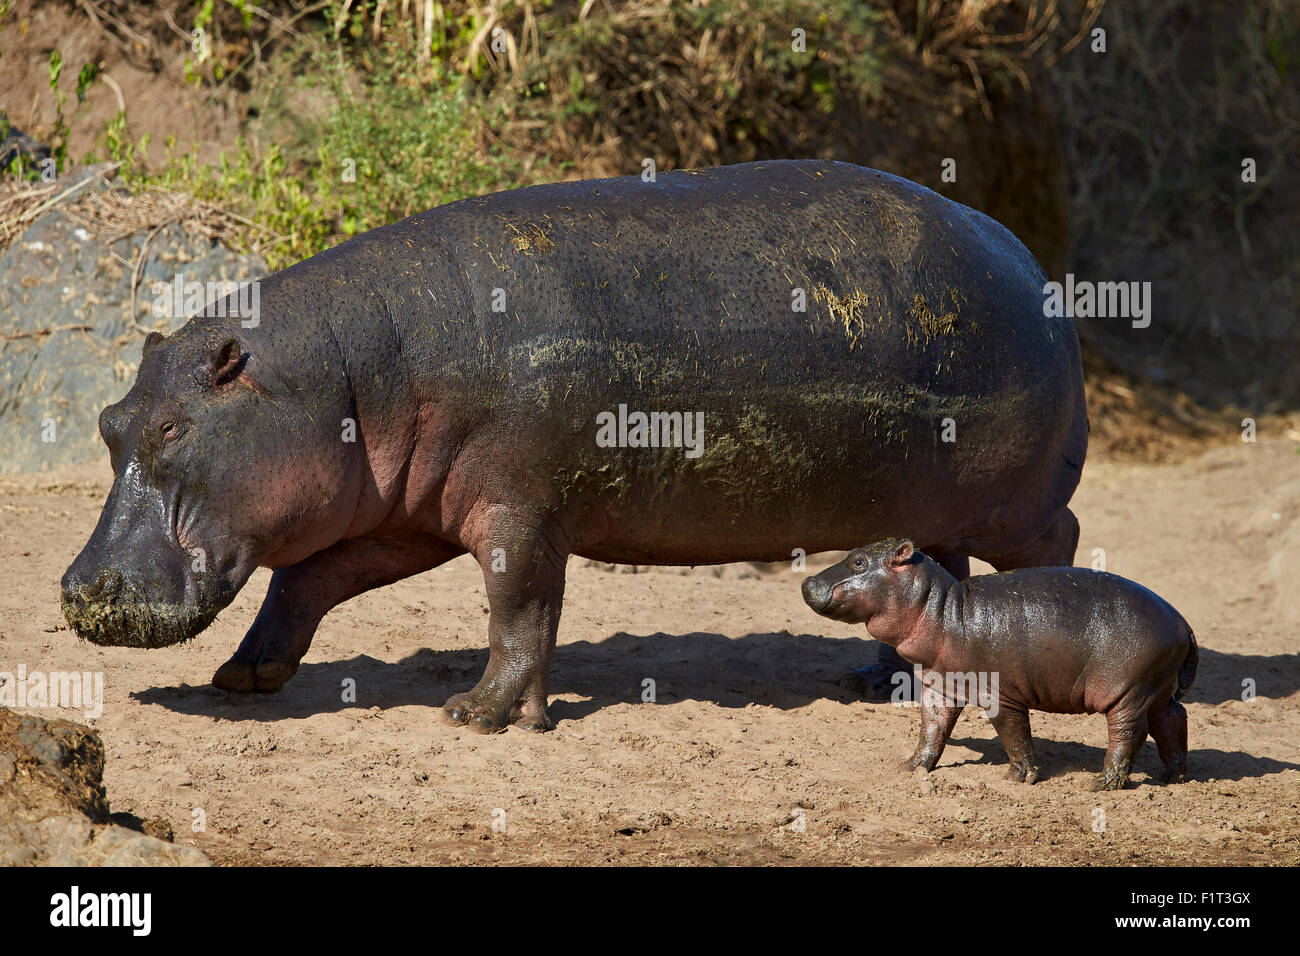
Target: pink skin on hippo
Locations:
point(1061, 640)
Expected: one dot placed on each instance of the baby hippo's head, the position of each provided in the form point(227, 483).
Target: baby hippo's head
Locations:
point(870, 581)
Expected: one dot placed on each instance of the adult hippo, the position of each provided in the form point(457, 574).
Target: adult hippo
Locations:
point(836, 355)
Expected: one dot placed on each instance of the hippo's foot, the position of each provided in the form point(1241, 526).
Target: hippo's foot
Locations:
point(1111, 779)
point(241, 676)
point(925, 761)
point(878, 683)
point(264, 662)
point(1024, 771)
point(1176, 774)
point(486, 710)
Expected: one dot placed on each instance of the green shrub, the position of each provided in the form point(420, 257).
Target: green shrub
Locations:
point(410, 140)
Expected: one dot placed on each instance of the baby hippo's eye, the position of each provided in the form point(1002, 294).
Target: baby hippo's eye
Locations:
point(859, 563)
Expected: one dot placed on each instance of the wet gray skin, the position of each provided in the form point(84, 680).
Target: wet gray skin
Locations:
point(1064, 640)
point(474, 346)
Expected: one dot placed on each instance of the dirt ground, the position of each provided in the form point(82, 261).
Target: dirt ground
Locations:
point(753, 754)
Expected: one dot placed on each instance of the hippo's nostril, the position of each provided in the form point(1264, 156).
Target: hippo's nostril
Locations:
point(107, 585)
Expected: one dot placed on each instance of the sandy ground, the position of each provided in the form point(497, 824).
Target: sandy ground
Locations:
point(753, 752)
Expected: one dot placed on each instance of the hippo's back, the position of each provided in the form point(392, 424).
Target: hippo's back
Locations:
point(813, 270)
point(869, 357)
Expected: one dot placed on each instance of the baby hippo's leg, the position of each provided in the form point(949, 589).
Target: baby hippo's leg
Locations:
point(1126, 727)
point(1012, 724)
point(1168, 721)
point(937, 721)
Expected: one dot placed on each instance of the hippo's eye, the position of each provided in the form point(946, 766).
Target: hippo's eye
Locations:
point(859, 563)
point(167, 430)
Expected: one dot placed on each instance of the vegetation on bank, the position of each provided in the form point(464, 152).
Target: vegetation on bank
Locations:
point(412, 104)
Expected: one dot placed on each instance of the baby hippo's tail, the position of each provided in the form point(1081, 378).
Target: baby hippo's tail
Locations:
point(1187, 669)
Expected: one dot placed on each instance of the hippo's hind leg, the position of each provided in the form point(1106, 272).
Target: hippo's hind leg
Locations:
point(1012, 726)
point(523, 558)
point(303, 593)
point(1168, 723)
point(1053, 549)
point(937, 721)
point(1126, 728)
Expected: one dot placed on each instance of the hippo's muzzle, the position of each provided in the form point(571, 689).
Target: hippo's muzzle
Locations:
point(816, 594)
point(132, 585)
point(105, 608)
point(820, 593)
point(820, 596)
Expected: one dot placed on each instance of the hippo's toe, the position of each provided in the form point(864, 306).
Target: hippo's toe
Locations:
point(535, 724)
point(235, 676)
point(1023, 772)
point(1110, 781)
point(273, 675)
point(241, 676)
point(485, 714)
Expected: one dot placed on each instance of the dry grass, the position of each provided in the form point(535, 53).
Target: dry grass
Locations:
point(22, 202)
point(706, 83)
point(115, 214)
point(1156, 131)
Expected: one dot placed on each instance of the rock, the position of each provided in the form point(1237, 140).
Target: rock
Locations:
point(53, 808)
point(61, 277)
point(15, 143)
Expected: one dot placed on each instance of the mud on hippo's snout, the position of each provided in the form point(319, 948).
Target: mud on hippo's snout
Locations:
point(108, 613)
point(148, 605)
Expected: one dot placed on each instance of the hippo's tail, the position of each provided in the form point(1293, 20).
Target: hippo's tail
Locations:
point(1187, 669)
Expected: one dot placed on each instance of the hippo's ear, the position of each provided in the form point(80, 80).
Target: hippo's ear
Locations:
point(903, 553)
point(228, 360)
point(152, 341)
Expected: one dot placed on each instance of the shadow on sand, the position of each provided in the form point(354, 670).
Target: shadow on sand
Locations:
point(779, 670)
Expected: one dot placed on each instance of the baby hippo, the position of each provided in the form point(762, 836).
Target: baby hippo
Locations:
point(1062, 640)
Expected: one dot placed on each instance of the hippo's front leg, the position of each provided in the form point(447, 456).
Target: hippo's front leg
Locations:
point(301, 594)
point(523, 559)
point(937, 721)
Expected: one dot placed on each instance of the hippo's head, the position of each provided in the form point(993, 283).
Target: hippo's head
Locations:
point(212, 478)
point(869, 582)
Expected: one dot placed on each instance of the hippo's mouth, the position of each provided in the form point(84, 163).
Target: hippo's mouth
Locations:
point(130, 620)
point(835, 610)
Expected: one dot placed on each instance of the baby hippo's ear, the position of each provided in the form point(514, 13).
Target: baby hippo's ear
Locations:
point(903, 553)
